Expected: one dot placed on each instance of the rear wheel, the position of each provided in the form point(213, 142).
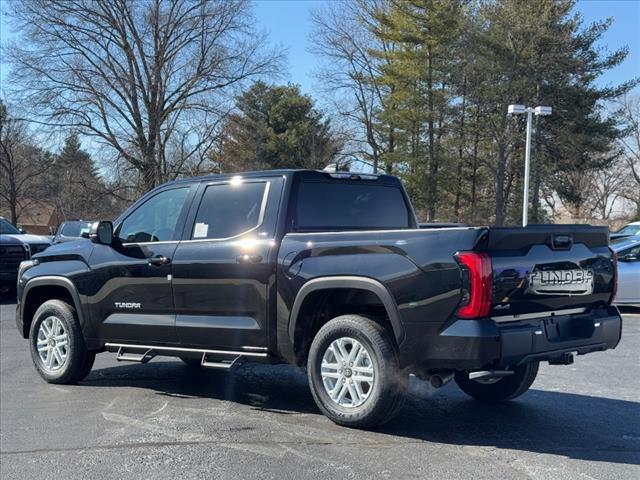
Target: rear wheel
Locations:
point(354, 374)
point(497, 390)
point(57, 346)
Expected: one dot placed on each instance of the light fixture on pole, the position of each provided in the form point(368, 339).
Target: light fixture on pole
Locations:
point(518, 110)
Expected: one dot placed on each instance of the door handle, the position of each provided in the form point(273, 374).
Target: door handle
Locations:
point(246, 258)
point(159, 260)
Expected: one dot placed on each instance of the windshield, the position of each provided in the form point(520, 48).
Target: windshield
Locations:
point(630, 230)
point(75, 229)
point(7, 228)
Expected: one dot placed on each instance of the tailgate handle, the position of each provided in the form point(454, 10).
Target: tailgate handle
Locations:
point(561, 242)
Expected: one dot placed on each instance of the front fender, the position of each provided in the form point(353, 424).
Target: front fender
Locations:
point(45, 281)
point(48, 274)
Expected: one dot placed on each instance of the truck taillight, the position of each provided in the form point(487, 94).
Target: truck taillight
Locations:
point(478, 301)
point(615, 277)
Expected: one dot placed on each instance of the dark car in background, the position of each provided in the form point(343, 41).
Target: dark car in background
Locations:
point(72, 230)
point(16, 246)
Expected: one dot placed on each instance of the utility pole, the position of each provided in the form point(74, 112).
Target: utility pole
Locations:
point(518, 110)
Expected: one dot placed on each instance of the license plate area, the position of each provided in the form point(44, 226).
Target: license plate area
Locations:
point(566, 328)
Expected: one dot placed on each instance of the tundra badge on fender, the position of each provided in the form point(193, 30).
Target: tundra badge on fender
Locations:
point(127, 305)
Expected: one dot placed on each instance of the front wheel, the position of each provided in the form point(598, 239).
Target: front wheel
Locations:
point(57, 346)
point(354, 374)
point(497, 390)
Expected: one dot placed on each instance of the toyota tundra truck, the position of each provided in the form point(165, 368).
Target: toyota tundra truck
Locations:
point(328, 271)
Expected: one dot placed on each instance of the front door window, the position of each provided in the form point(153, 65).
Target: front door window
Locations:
point(156, 219)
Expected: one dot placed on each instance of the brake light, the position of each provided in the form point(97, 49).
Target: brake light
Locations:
point(478, 303)
point(615, 277)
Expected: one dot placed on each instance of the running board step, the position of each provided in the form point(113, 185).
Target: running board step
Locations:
point(223, 365)
point(210, 358)
point(129, 356)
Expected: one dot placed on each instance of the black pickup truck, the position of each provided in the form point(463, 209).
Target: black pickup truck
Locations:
point(327, 271)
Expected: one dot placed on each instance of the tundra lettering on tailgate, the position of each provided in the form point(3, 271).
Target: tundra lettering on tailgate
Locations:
point(566, 282)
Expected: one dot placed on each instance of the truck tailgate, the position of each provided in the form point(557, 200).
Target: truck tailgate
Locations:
point(549, 268)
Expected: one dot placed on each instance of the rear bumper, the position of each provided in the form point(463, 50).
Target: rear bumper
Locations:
point(475, 344)
point(590, 333)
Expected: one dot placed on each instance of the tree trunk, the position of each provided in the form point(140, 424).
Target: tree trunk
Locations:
point(149, 172)
point(474, 170)
point(432, 185)
point(535, 201)
point(456, 208)
point(14, 210)
point(537, 175)
point(500, 175)
point(13, 199)
point(391, 148)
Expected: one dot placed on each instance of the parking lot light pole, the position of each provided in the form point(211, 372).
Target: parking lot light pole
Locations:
point(518, 110)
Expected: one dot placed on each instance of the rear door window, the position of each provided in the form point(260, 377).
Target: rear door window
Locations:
point(230, 209)
point(350, 205)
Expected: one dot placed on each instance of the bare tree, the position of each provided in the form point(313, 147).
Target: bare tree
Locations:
point(21, 166)
point(137, 74)
point(607, 187)
point(342, 36)
point(630, 114)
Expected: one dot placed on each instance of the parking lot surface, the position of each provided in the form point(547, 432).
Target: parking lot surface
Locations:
point(164, 420)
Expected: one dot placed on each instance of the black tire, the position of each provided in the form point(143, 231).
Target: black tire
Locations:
point(192, 362)
point(507, 388)
point(78, 361)
point(87, 366)
point(389, 387)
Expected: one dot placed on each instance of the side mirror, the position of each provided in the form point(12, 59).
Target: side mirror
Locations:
point(102, 232)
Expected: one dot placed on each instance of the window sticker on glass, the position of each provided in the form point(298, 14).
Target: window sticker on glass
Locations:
point(201, 230)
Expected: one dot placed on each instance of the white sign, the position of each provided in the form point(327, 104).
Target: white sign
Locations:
point(201, 230)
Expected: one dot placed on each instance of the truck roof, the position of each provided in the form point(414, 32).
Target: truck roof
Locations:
point(288, 172)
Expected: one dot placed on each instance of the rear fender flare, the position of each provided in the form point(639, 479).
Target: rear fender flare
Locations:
point(348, 282)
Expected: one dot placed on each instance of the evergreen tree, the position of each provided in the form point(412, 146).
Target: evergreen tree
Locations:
point(448, 71)
point(75, 185)
point(418, 77)
point(275, 127)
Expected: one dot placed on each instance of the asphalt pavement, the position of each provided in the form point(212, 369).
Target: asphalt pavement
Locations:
point(164, 420)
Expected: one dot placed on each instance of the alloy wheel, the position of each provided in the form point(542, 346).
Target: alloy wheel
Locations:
point(347, 371)
point(52, 343)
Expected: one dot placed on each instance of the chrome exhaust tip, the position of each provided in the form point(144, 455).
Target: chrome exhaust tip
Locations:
point(440, 379)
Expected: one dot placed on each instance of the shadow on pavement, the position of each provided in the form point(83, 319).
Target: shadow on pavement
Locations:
point(576, 426)
point(629, 310)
